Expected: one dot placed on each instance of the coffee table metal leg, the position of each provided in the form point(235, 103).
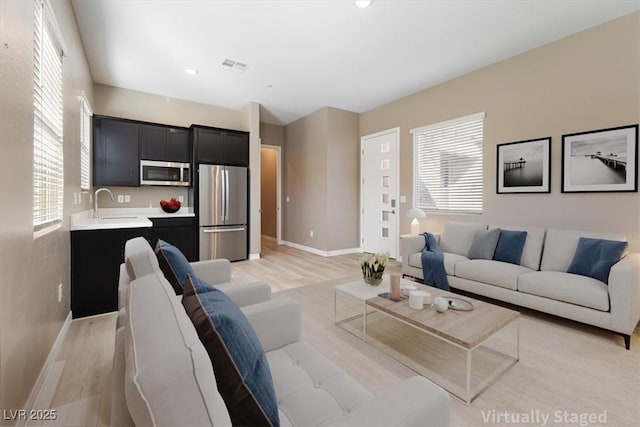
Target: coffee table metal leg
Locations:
point(468, 400)
point(364, 322)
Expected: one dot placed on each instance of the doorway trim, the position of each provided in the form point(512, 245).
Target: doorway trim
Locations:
point(396, 132)
point(278, 190)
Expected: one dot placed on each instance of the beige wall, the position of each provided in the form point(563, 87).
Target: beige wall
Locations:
point(130, 104)
point(268, 164)
point(343, 180)
point(584, 82)
point(321, 180)
point(305, 180)
point(272, 134)
point(30, 315)
point(251, 116)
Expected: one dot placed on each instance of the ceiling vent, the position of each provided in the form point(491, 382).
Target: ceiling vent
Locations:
point(231, 65)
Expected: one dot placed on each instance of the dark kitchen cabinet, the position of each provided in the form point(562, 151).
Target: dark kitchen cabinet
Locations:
point(236, 149)
point(178, 146)
point(220, 147)
point(179, 231)
point(164, 143)
point(116, 161)
point(96, 256)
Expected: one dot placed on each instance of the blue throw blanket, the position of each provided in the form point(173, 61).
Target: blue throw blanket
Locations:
point(433, 264)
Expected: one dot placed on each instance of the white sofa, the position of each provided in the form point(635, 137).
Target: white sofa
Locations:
point(541, 281)
point(162, 373)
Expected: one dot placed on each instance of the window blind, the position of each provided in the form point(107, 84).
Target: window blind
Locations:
point(85, 143)
point(448, 165)
point(48, 179)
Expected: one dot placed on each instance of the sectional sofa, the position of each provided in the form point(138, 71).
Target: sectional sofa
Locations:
point(540, 280)
point(163, 374)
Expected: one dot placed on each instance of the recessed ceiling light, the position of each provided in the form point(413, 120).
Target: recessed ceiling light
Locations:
point(363, 4)
point(191, 71)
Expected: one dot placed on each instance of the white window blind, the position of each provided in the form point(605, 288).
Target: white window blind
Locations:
point(85, 143)
point(448, 165)
point(48, 169)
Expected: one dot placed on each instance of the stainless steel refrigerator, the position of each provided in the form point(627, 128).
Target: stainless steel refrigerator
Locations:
point(222, 211)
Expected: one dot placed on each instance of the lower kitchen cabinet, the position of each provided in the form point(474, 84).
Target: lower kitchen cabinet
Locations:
point(96, 256)
point(179, 231)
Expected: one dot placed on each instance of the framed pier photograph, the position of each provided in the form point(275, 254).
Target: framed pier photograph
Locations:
point(524, 166)
point(600, 160)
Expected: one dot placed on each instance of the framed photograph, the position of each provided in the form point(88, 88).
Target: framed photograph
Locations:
point(524, 166)
point(600, 160)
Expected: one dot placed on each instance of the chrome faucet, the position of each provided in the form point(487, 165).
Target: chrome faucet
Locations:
point(96, 213)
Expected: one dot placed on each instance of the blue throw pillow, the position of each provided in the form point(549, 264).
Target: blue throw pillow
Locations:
point(239, 364)
point(174, 265)
point(510, 246)
point(595, 257)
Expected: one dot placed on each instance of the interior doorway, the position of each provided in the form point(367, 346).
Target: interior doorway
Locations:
point(270, 192)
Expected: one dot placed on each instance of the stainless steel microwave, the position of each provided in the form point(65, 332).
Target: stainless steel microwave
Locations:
point(154, 172)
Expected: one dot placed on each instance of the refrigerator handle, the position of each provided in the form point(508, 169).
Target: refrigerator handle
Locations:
point(226, 194)
point(223, 194)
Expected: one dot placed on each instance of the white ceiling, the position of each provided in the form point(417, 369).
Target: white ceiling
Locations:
point(304, 55)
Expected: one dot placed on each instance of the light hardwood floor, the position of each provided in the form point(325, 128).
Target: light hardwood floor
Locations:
point(79, 385)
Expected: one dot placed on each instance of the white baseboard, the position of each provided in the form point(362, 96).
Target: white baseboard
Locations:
point(253, 257)
point(48, 364)
point(320, 251)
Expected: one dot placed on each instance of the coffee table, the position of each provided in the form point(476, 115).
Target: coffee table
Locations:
point(467, 330)
point(360, 292)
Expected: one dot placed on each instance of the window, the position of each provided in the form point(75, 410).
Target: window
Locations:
point(48, 169)
point(447, 168)
point(85, 142)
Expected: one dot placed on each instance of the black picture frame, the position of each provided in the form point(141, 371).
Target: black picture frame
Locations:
point(524, 167)
point(603, 160)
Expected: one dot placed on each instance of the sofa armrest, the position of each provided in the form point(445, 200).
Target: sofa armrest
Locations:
point(624, 293)
point(246, 293)
point(277, 322)
point(410, 246)
point(213, 271)
point(415, 402)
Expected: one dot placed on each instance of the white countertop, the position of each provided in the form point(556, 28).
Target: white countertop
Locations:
point(114, 218)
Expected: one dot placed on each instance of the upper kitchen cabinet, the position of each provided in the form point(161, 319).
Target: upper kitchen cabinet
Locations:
point(116, 160)
point(164, 143)
point(220, 147)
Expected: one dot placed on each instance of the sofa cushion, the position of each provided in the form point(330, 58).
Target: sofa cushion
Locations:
point(560, 247)
point(457, 236)
point(240, 366)
point(174, 265)
point(495, 273)
point(567, 287)
point(450, 260)
point(311, 390)
point(484, 244)
point(162, 348)
point(595, 257)
point(510, 246)
point(532, 251)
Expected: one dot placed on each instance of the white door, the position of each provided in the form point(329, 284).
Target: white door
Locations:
point(379, 192)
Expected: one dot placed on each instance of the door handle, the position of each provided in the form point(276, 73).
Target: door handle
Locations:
point(224, 230)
